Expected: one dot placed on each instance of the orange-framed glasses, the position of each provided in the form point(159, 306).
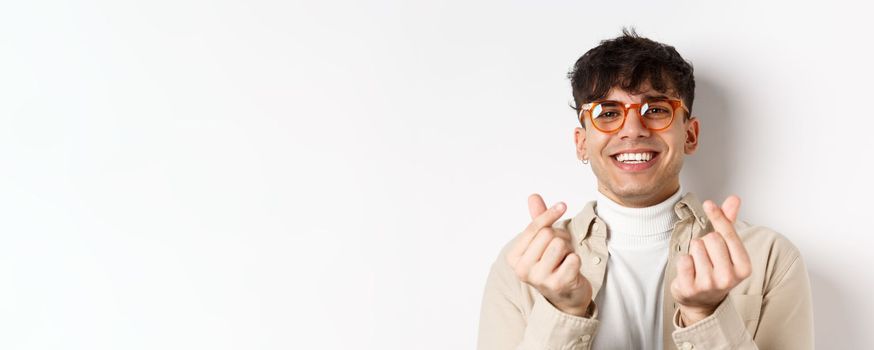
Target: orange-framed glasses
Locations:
point(609, 116)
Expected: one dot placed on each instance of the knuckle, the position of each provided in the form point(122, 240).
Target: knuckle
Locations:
point(724, 281)
point(552, 285)
point(540, 279)
point(713, 237)
point(682, 293)
point(545, 234)
point(559, 243)
point(565, 279)
point(573, 261)
point(675, 287)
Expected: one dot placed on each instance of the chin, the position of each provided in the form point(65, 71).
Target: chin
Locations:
point(635, 191)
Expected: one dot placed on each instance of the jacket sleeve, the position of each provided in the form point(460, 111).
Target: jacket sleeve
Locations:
point(504, 324)
point(785, 319)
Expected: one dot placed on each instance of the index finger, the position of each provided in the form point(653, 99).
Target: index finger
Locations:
point(725, 227)
point(721, 222)
point(546, 218)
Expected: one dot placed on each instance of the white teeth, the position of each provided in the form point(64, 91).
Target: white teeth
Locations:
point(634, 157)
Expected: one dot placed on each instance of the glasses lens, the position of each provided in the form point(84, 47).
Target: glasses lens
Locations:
point(608, 116)
point(657, 114)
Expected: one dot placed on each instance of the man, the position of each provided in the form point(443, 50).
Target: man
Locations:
point(645, 266)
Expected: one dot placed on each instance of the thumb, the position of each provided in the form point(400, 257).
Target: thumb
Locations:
point(730, 207)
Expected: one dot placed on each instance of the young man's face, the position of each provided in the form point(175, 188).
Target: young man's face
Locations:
point(643, 184)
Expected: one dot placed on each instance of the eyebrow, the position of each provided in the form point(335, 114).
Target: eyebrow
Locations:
point(655, 97)
point(646, 98)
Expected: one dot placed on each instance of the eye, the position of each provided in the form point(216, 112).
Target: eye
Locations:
point(608, 114)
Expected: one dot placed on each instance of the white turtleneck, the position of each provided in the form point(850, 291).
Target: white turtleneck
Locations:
point(630, 301)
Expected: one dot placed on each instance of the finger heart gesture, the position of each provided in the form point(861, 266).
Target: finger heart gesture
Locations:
point(716, 263)
point(543, 257)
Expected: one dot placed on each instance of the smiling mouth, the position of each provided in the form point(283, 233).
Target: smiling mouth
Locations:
point(635, 161)
point(634, 157)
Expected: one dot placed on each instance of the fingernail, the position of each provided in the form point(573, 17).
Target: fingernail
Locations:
point(558, 206)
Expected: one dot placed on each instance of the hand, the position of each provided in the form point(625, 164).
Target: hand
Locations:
point(716, 263)
point(544, 258)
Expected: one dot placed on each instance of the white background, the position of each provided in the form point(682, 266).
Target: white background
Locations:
point(330, 175)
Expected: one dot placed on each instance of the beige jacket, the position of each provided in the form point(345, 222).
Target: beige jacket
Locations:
point(771, 309)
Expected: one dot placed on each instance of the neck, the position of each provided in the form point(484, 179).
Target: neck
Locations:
point(643, 200)
point(638, 226)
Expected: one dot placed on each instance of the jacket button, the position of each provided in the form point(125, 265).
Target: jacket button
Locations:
point(596, 260)
point(686, 346)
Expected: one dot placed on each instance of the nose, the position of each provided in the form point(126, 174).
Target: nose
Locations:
point(633, 127)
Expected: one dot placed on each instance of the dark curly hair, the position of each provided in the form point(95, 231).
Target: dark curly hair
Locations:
point(627, 62)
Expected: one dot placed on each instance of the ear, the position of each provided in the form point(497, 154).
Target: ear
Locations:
point(691, 144)
point(580, 141)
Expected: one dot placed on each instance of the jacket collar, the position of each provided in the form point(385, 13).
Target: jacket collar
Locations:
point(581, 224)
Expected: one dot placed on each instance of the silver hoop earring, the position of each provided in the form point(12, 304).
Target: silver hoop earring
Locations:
point(585, 161)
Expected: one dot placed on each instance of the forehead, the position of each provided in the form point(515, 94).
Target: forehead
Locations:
point(645, 92)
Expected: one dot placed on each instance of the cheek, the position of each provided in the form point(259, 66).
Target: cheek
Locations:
point(675, 140)
point(596, 144)
point(676, 151)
